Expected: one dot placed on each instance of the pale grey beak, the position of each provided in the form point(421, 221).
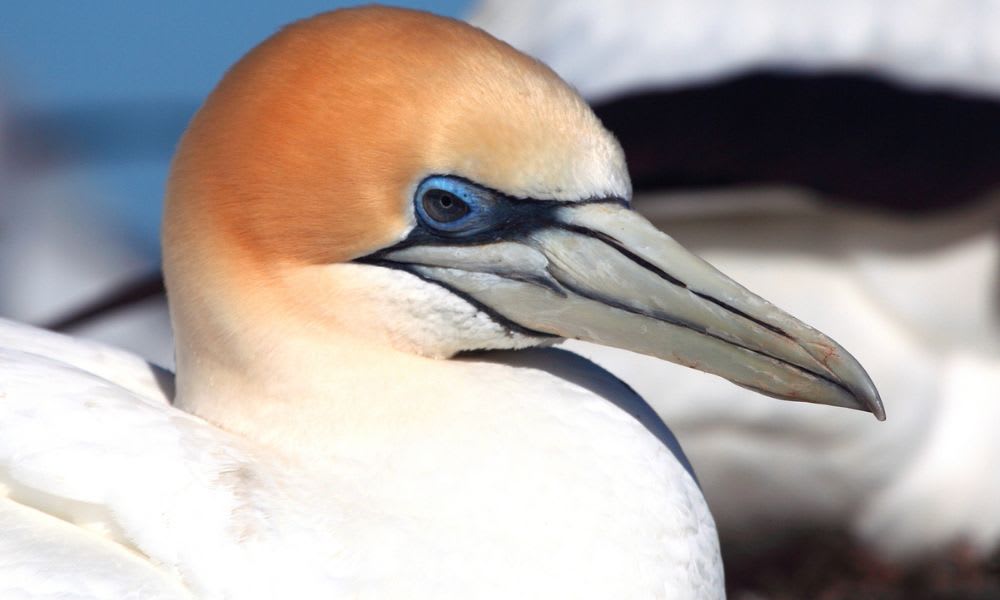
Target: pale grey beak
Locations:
point(599, 272)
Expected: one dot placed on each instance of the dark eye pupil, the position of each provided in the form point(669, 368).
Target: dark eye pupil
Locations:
point(444, 207)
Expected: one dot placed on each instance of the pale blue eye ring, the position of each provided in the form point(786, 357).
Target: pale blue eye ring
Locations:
point(452, 206)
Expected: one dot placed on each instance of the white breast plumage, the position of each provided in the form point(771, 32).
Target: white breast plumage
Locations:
point(159, 497)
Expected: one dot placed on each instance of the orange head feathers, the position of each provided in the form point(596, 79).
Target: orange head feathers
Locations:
point(307, 155)
point(311, 146)
point(390, 179)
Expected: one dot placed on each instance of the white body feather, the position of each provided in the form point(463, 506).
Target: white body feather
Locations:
point(606, 46)
point(532, 487)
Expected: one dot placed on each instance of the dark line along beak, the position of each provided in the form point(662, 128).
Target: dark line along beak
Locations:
point(601, 273)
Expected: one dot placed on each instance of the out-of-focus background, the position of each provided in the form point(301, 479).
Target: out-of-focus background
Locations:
point(93, 97)
point(841, 158)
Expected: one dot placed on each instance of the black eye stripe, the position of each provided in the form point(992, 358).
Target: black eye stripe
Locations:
point(493, 216)
point(478, 214)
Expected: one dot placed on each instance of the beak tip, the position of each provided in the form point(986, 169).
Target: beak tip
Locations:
point(869, 400)
point(854, 379)
point(877, 409)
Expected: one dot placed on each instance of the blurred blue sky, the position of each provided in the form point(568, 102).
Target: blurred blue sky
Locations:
point(95, 72)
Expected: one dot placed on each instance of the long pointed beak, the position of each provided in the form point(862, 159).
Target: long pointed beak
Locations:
point(601, 273)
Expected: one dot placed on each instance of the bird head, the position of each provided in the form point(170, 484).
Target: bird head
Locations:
point(380, 176)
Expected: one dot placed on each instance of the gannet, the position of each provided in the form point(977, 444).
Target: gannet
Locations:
point(920, 289)
point(374, 226)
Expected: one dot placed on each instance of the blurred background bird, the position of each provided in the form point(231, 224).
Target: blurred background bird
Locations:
point(841, 156)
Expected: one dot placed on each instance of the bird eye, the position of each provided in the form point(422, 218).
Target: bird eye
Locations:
point(452, 207)
point(443, 207)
